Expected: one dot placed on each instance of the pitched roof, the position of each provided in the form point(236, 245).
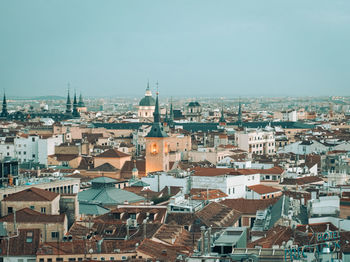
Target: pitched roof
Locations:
point(160, 251)
point(108, 196)
point(219, 215)
point(79, 247)
point(301, 181)
point(27, 215)
point(106, 167)
point(248, 206)
point(262, 189)
point(25, 244)
point(32, 194)
point(113, 153)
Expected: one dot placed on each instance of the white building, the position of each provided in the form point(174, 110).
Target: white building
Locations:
point(33, 148)
point(256, 141)
point(304, 148)
point(230, 181)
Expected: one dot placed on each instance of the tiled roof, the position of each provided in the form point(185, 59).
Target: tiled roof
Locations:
point(142, 213)
point(248, 206)
point(79, 247)
point(160, 251)
point(216, 214)
point(113, 153)
point(275, 236)
point(262, 189)
point(199, 171)
point(27, 215)
point(174, 234)
point(106, 167)
point(126, 170)
point(301, 181)
point(32, 194)
point(204, 194)
point(25, 244)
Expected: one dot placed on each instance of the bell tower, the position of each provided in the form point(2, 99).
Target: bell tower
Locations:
point(157, 145)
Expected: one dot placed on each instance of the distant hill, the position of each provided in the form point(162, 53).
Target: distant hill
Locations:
point(49, 98)
point(38, 98)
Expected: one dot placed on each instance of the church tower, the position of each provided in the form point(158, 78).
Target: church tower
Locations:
point(4, 112)
point(239, 114)
point(68, 104)
point(222, 120)
point(75, 107)
point(157, 145)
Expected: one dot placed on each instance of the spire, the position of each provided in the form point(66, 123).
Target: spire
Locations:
point(157, 128)
point(171, 111)
point(222, 117)
point(69, 103)
point(75, 106)
point(239, 113)
point(4, 112)
point(148, 90)
point(81, 102)
point(156, 114)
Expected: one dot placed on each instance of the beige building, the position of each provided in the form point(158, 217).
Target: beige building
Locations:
point(52, 227)
point(37, 199)
point(113, 157)
point(256, 141)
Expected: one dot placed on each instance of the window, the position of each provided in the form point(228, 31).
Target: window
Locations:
point(71, 259)
point(132, 215)
point(41, 260)
point(43, 210)
point(151, 217)
point(59, 259)
point(33, 139)
point(9, 210)
point(111, 258)
point(233, 190)
point(54, 234)
point(32, 207)
point(49, 260)
point(29, 238)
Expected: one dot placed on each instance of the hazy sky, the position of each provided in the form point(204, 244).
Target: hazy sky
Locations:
point(233, 48)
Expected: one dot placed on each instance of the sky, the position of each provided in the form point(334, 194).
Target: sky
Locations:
point(191, 47)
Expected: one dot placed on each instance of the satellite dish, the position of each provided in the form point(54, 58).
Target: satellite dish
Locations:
point(91, 251)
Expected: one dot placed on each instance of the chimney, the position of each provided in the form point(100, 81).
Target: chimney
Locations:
point(99, 246)
point(144, 228)
point(128, 228)
point(203, 240)
point(209, 240)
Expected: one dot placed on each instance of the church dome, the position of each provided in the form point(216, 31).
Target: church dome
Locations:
point(193, 104)
point(147, 101)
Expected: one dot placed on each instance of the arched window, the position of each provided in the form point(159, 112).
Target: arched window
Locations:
point(154, 148)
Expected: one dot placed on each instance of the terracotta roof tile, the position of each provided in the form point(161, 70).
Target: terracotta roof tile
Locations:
point(248, 206)
point(32, 194)
point(262, 189)
point(113, 153)
point(21, 245)
point(27, 215)
point(161, 251)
